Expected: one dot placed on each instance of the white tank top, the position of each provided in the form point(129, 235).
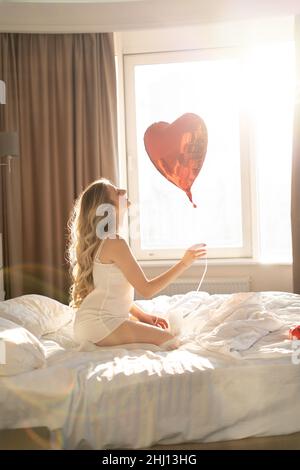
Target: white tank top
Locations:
point(108, 303)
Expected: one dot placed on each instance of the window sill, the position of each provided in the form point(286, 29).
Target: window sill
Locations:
point(214, 262)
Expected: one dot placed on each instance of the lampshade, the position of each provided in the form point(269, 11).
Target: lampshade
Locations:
point(9, 144)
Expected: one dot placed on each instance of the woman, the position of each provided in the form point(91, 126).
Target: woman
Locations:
point(105, 273)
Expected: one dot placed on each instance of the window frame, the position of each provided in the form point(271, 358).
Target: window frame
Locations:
point(247, 171)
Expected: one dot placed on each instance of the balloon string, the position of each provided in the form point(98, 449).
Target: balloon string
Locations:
point(188, 293)
point(204, 272)
point(200, 283)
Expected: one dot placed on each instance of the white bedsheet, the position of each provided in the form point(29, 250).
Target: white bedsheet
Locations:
point(236, 375)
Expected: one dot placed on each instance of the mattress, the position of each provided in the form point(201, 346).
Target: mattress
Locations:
point(235, 375)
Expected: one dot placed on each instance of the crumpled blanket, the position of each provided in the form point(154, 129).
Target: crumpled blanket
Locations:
point(235, 326)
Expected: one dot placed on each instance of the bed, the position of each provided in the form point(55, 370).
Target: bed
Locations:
point(233, 383)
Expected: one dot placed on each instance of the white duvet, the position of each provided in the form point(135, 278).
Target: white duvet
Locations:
point(236, 374)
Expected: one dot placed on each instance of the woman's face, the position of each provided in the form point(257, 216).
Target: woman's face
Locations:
point(119, 198)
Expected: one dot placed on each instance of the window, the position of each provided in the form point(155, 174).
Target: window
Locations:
point(270, 72)
point(246, 100)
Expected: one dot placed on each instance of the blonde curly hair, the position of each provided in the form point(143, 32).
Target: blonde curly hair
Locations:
point(83, 239)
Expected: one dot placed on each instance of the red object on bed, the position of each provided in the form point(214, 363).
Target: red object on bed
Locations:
point(294, 333)
point(178, 150)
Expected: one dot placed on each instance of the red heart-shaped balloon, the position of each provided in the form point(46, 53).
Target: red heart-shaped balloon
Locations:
point(178, 150)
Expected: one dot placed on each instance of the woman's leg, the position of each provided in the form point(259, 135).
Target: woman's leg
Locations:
point(136, 332)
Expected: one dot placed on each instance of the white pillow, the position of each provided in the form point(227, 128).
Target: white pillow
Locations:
point(38, 314)
point(20, 351)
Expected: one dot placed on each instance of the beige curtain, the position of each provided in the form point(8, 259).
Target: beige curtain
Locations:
point(61, 98)
point(295, 194)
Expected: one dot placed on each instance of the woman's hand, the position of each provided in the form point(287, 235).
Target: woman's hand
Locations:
point(155, 321)
point(192, 254)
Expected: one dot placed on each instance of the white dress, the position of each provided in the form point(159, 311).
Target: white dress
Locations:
point(107, 306)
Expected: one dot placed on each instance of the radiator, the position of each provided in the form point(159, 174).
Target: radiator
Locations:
point(218, 285)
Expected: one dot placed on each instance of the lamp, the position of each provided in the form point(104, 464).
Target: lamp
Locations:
point(9, 147)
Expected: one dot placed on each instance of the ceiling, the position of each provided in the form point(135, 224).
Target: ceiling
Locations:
point(69, 1)
point(112, 15)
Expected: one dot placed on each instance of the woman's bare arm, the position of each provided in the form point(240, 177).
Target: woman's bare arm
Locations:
point(121, 254)
point(137, 312)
